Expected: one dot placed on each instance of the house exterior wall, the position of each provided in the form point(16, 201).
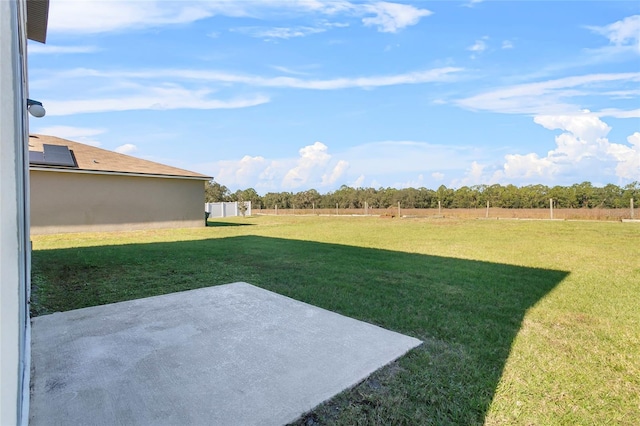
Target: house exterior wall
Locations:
point(81, 202)
point(14, 225)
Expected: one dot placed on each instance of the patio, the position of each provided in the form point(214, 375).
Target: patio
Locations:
point(226, 355)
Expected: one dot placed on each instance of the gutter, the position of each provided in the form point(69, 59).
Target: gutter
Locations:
point(99, 172)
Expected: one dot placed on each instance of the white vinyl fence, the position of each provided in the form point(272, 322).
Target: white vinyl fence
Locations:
point(227, 209)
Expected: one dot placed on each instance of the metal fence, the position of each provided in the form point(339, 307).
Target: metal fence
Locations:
point(228, 209)
point(491, 213)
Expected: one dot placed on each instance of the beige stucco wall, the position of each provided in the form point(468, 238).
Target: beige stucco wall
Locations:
point(79, 202)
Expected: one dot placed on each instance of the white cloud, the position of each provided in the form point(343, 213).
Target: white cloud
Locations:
point(581, 150)
point(127, 148)
point(476, 171)
point(472, 3)
point(379, 159)
point(279, 32)
point(411, 183)
point(634, 140)
point(625, 32)
point(36, 48)
point(478, 46)
point(154, 98)
point(91, 17)
point(506, 44)
point(519, 167)
point(243, 173)
point(585, 126)
point(618, 113)
point(474, 175)
point(623, 94)
point(628, 157)
point(624, 42)
point(358, 182)
point(78, 134)
point(313, 168)
point(312, 158)
point(416, 77)
point(270, 33)
point(287, 70)
point(391, 17)
point(337, 172)
point(546, 97)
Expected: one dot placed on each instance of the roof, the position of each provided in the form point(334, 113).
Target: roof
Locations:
point(37, 18)
point(90, 159)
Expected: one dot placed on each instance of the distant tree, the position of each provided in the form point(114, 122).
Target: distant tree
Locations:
point(238, 197)
point(281, 199)
point(631, 190)
point(425, 198)
point(584, 194)
point(387, 197)
point(464, 197)
point(215, 192)
point(249, 195)
point(510, 196)
point(408, 197)
point(562, 196)
point(534, 196)
point(347, 197)
point(493, 194)
point(306, 199)
point(445, 196)
point(609, 196)
point(369, 196)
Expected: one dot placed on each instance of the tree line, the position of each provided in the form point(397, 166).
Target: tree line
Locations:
point(580, 195)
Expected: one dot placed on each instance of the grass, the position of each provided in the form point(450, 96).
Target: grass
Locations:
point(523, 322)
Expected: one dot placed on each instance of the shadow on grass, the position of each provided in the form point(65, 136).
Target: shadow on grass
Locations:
point(467, 312)
point(217, 223)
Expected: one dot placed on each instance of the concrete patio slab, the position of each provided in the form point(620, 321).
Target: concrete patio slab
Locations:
point(227, 355)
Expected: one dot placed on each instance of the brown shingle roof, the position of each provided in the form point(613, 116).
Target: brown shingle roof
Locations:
point(90, 158)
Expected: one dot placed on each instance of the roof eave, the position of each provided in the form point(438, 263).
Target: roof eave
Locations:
point(113, 173)
point(37, 20)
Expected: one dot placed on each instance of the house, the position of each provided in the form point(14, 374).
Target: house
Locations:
point(77, 188)
point(19, 20)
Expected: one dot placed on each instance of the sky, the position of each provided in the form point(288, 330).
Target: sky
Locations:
point(290, 95)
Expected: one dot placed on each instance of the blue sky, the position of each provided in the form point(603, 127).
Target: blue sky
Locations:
point(288, 95)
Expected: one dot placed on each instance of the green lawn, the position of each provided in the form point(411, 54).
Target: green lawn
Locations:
point(523, 322)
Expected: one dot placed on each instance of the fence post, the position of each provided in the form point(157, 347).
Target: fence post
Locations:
point(631, 205)
point(439, 208)
point(487, 214)
point(276, 210)
point(551, 207)
point(336, 209)
point(314, 207)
